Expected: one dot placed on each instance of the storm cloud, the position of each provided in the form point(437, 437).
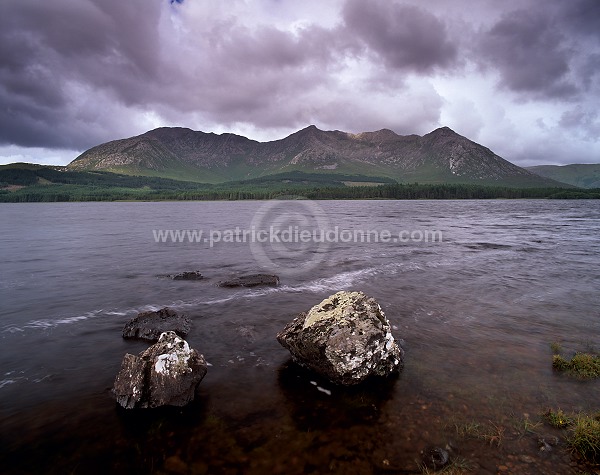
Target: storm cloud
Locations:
point(403, 36)
point(530, 54)
point(507, 74)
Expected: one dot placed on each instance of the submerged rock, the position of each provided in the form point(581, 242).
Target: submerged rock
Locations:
point(148, 326)
point(546, 442)
point(345, 338)
point(188, 275)
point(435, 458)
point(251, 281)
point(166, 374)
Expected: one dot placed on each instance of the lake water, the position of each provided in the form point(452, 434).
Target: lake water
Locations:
point(477, 313)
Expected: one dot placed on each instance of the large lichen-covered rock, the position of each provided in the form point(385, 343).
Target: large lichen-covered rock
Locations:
point(166, 374)
point(150, 325)
point(345, 338)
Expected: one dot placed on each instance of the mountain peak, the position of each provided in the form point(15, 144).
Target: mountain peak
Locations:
point(311, 129)
point(445, 130)
point(377, 136)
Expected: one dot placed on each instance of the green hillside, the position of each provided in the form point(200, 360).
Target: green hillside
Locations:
point(580, 175)
point(23, 183)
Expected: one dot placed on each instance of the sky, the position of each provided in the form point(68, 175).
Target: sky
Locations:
point(520, 77)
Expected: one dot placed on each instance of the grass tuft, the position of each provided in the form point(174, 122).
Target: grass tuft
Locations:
point(491, 433)
point(457, 466)
point(582, 365)
point(584, 437)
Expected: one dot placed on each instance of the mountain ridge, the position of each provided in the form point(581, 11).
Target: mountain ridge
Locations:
point(441, 156)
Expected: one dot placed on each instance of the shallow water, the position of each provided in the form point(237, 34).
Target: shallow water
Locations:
point(477, 313)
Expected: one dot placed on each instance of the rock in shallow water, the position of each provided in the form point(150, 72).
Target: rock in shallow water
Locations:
point(251, 281)
point(346, 338)
point(148, 326)
point(187, 275)
point(166, 374)
point(435, 458)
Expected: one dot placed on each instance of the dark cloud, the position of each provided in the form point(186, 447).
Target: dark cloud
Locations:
point(404, 36)
point(581, 17)
point(47, 46)
point(528, 50)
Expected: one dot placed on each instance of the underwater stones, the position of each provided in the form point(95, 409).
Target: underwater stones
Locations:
point(251, 281)
point(148, 326)
point(345, 338)
point(166, 374)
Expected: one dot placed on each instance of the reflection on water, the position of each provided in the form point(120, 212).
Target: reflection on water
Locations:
point(477, 312)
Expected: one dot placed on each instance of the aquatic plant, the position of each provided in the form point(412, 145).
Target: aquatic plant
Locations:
point(491, 433)
point(582, 365)
point(558, 418)
point(556, 347)
point(468, 429)
point(525, 426)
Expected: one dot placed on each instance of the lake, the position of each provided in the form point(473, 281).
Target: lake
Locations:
point(477, 307)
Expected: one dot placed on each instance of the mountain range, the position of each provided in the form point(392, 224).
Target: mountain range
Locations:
point(442, 156)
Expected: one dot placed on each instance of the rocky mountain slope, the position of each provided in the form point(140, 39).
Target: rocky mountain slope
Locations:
point(442, 156)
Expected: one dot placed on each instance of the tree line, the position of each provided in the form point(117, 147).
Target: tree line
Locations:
point(414, 191)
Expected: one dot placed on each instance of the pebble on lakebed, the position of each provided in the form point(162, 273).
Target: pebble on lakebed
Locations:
point(345, 338)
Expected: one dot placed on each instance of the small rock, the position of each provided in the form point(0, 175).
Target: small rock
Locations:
point(345, 338)
point(148, 326)
point(166, 374)
point(526, 459)
point(545, 446)
point(435, 458)
point(189, 275)
point(548, 440)
point(251, 281)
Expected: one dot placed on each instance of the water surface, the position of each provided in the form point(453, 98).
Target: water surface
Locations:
point(477, 313)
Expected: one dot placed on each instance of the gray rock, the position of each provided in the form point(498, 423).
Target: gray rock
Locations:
point(166, 374)
point(251, 281)
point(148, 326)
point(345, 338)
point(188, 275)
